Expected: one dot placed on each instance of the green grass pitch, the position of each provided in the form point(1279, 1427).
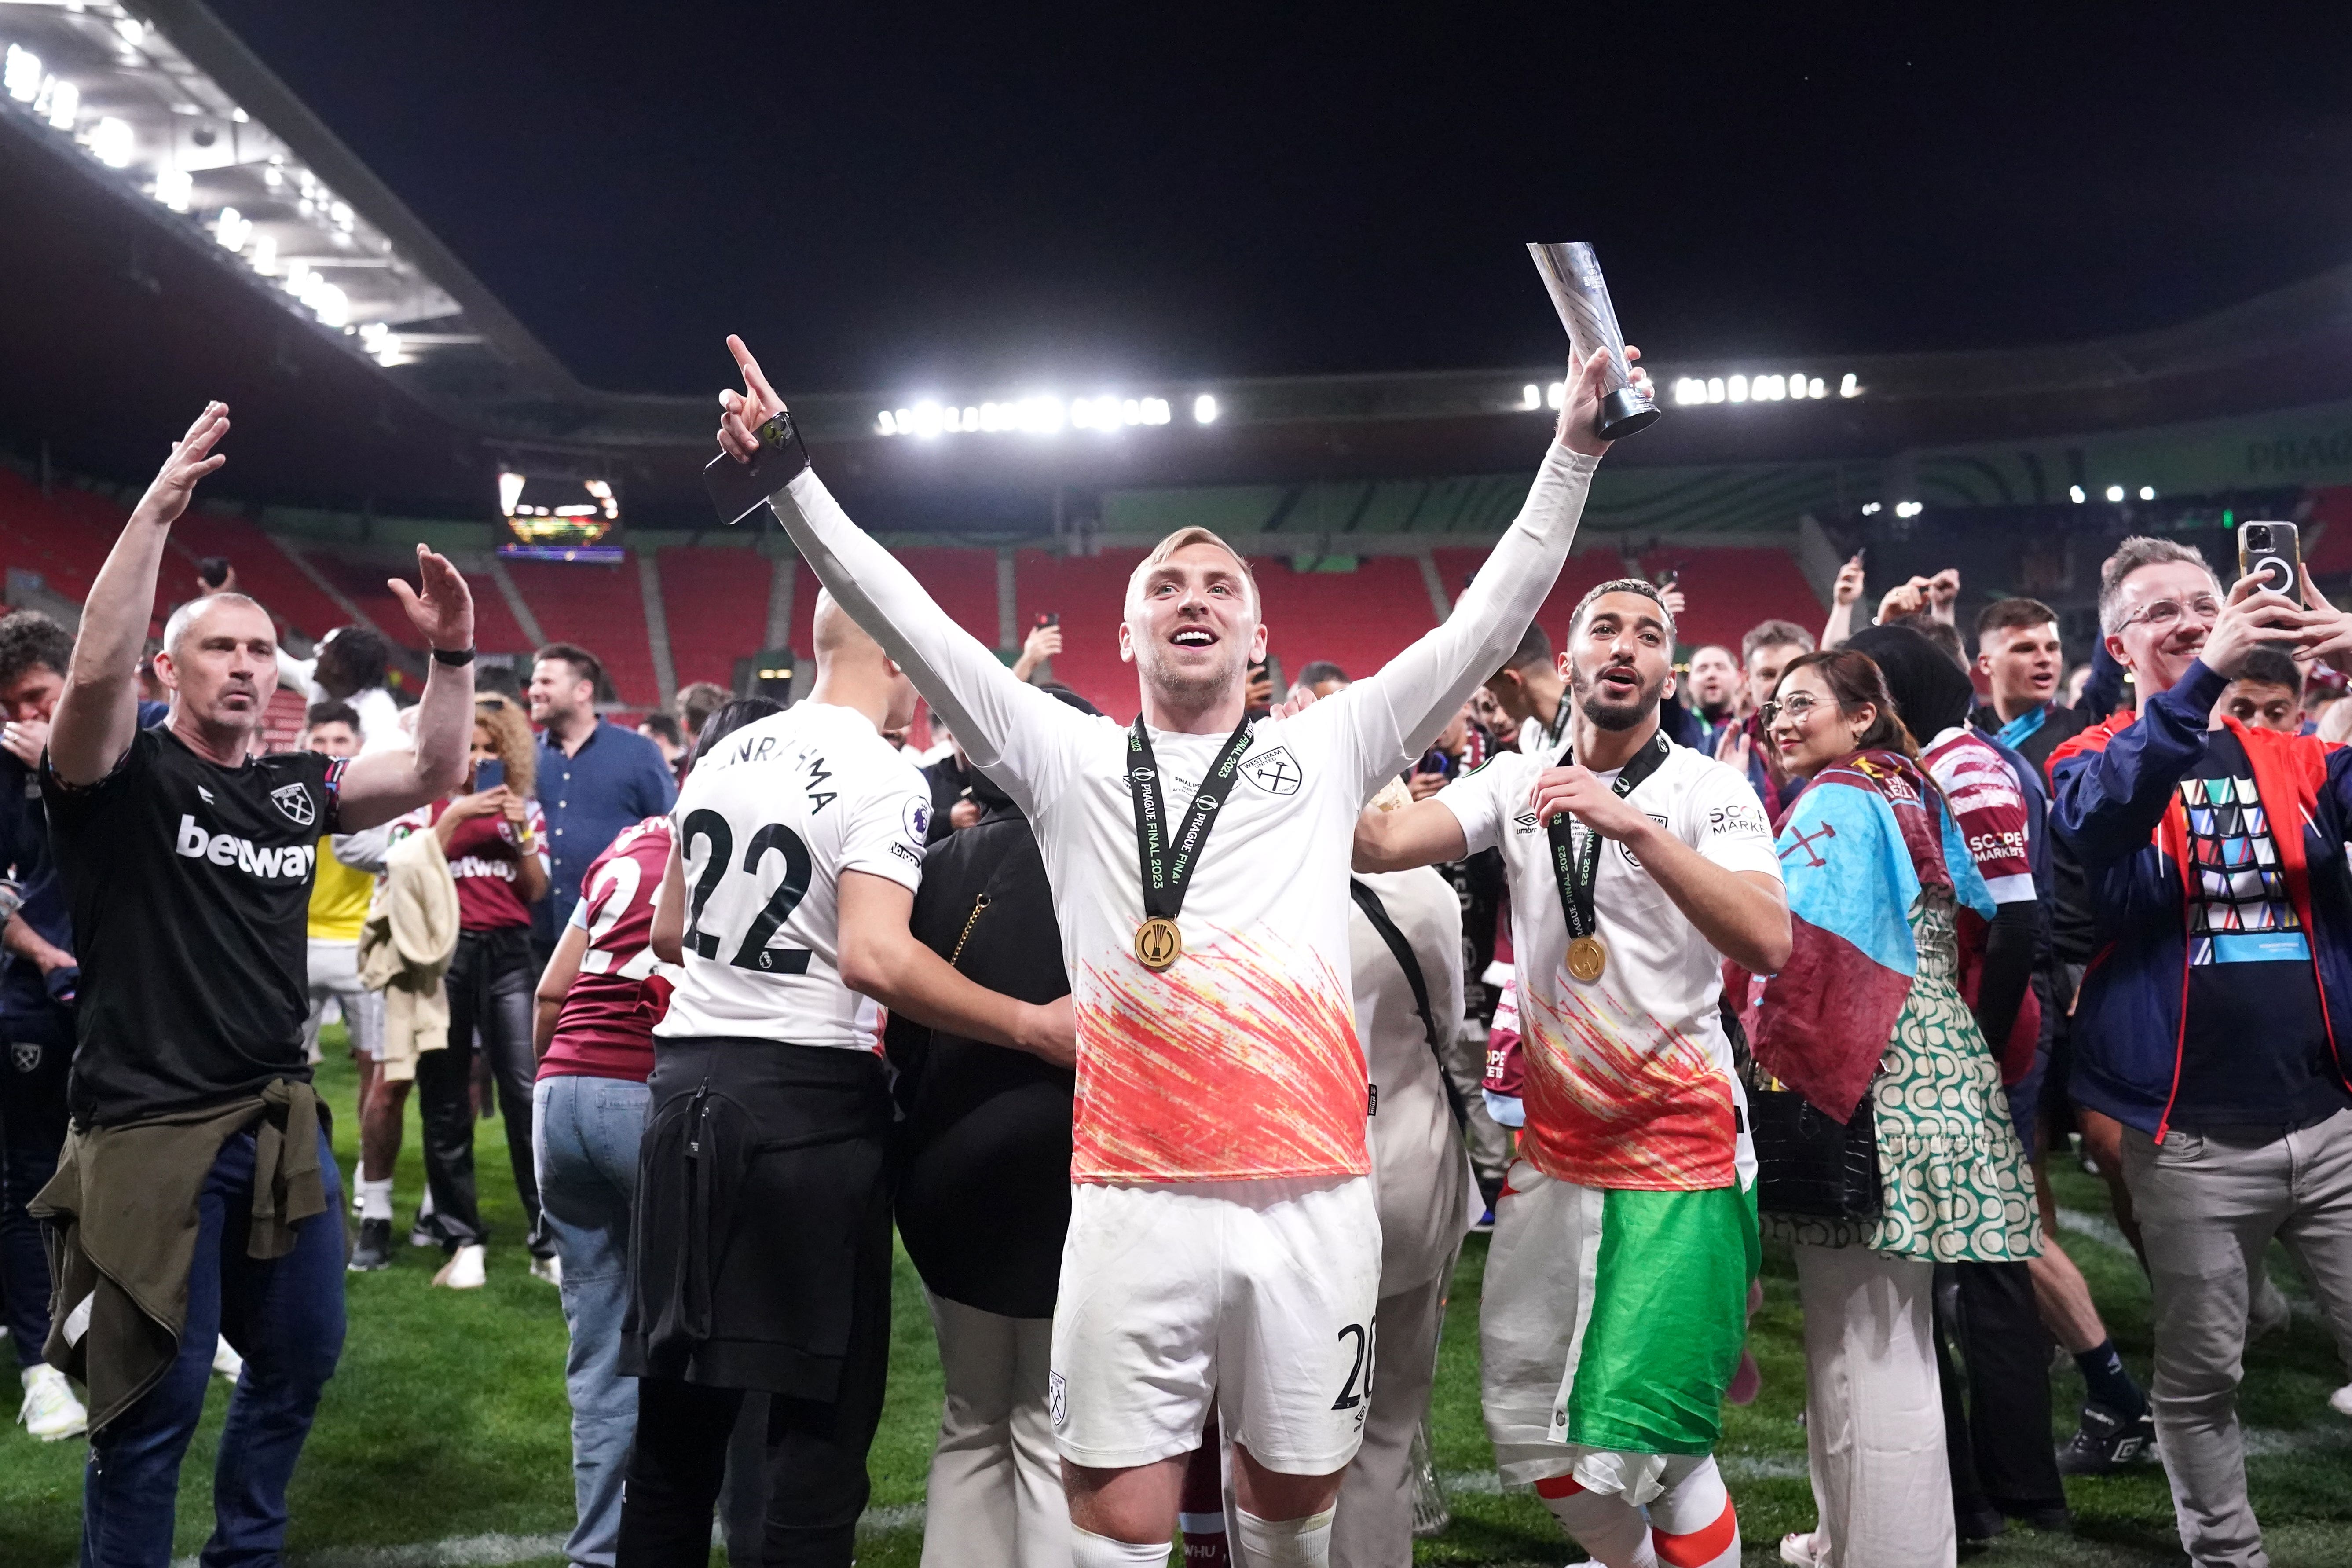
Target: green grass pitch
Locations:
point(445, 1437)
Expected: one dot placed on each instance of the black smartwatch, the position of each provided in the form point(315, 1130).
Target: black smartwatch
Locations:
point(455, 658)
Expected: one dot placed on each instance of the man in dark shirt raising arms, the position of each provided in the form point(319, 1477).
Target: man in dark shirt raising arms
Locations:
point(198, 1191)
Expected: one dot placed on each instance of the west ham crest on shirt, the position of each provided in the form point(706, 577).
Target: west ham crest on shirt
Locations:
point(294, 800)
point(25, 1055)
point(1274, 772)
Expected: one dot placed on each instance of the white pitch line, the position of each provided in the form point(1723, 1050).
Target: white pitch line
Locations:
point(498, 1550)
point(2096, 1227)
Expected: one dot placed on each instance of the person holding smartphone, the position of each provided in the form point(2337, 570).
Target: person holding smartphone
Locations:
point(495, 842)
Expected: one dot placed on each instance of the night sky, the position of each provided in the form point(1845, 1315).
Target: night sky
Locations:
point(891, 200)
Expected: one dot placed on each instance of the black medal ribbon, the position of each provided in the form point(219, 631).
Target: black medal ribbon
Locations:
point(1576, 873)
point(1169, 859)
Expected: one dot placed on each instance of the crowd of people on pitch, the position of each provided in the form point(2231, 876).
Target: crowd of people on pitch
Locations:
point(1182, 1056)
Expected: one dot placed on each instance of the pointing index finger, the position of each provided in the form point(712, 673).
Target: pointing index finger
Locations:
point(752, 376)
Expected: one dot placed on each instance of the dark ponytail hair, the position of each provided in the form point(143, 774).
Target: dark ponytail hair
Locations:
point(1855, 679)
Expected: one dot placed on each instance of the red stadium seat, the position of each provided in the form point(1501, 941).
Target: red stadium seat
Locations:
point(1090, 595)
point(716, 602)
point(601, 608)
point(1358, 620)
point(1731, 589)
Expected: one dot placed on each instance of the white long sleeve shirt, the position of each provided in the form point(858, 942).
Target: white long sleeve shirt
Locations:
point(1241, 1061)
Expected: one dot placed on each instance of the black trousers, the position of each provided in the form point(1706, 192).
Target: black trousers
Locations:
point(38, 1046)
point(762, 1255)
point(1997, 1396)
point(489, 986)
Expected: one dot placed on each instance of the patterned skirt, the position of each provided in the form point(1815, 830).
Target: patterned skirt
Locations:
point(1956, 1185)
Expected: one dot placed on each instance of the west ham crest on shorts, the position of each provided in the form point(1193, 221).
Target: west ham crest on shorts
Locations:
point(1274, 772)
point(1057, 1400)
point(294, 800)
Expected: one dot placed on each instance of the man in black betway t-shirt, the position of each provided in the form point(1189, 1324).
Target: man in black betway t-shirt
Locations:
point(187, 862)
point(193, 989)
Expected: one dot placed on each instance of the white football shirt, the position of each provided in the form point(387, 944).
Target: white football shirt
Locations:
point(1240, 1061)
point(1629, 1080)
point(766, 826)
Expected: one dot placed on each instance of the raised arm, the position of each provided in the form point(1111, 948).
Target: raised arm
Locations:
point(99, 712)
point(1396, 713)
point(995, 717)
point(380, 786)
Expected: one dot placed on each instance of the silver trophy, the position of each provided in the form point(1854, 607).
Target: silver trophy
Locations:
point(1580, 294)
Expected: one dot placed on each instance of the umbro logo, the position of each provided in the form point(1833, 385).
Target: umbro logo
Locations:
point(1274, 772)
point(206, 794)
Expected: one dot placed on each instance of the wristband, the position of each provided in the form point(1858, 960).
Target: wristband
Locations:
point(455, 658)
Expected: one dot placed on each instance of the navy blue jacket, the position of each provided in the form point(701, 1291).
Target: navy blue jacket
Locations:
point(2118, 806)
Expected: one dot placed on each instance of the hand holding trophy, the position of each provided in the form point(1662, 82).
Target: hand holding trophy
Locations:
point(1572, 274)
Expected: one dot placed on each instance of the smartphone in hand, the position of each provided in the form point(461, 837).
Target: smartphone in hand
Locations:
point(2274, 550)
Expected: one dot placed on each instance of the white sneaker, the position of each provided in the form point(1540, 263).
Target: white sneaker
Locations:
point(549, 1268)
point(50, 1410)
point(1802, 1550)
point(467, 1268)
point(2340, 1401)
point(226, 1363)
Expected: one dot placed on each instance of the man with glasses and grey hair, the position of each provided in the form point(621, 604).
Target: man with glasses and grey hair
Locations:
point(2215, 858)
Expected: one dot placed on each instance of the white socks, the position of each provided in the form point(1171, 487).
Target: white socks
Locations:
point(1284, 1542)
point(375, 1199)
point(1088, 1550)
point(1692, 1522)
point(1604, 1523)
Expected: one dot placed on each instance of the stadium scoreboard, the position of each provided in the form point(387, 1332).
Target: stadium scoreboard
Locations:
point(549, 518)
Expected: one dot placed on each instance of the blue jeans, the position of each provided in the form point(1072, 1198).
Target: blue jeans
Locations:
point(585, 1133)
point(285, 1316)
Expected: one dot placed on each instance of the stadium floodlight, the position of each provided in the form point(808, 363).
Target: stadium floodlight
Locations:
point(1715, 389)
point(1690, 390)
point(233, 229)
point(265, 256)
point(1532, 396)
point(1814, 388)
point(132, 31)
point(61, 102)
point(1851, 386)
point(1556, 394)
point(1870, 509)
point(111, 142)
point(510, 491)
point(173, 187)
point(2074, 493)
point(2115, 492)
point(1204, 410)
point(2148, 492)
point(1736, 388)
point(22, 74)
point(1909, 508)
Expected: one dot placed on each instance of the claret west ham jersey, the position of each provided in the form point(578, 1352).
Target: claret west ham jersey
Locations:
point(766, 824)
point(605, 1029)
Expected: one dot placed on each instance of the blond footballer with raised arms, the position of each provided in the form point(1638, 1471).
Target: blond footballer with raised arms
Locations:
point(1224, 1242)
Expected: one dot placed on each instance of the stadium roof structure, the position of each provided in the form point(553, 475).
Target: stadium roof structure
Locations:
point(183, 226)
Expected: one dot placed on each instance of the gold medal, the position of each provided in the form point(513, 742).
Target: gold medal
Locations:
point(1586, 958)
point(1157, 943)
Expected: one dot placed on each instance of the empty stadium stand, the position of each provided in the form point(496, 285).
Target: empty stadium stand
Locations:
point(602, 609)
point(716, 604)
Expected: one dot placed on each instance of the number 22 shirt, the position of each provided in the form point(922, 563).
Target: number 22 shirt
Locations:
point(766, 824)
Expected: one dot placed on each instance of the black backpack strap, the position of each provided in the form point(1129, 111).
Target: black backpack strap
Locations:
point(1377, 912)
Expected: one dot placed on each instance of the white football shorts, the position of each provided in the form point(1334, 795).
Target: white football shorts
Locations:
point(1256, 1295)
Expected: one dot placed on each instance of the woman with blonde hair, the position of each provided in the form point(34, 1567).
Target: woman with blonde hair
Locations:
point(495, 842)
